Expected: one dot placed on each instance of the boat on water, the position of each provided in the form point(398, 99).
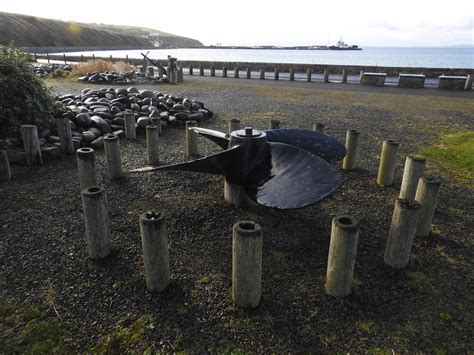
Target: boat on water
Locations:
point(341, 45)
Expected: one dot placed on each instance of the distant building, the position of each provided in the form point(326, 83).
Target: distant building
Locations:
point(155, 39)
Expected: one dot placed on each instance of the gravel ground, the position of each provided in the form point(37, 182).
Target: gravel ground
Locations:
point(426, 307)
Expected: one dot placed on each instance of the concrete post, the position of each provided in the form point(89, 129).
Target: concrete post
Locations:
point(82, 57)
point(126, 59)
point(65, 136)
point(247, 241)
point(401, 234)
point(427, 195)
point(318, 126)
point(247, 73)
point(36, 57)
point(191, 69)
point(326, 76)
point(86, 167)
point(276, 74)
point(112, 155)
point(156, 121)
point(130, 127)
point(180, 74)
point(31, 144)
point(191, 139)
point(201, 70)
point(236, 72)
point(273, 124)
point(151, 72)
point(5, 172)
point(361, 77)
point(152, 150)
point(96, 217)
point(468, 85)
point(224, 72)
point(213, 71)
point(344, 76)
point(234, 125)
point(352, 146)
point(388, 161)
point(111, 60)
point(64, 56)
point(93, 57)
point(155, 247)
point(342, 256)
point(47, 57)
point(309, 73)
point(414, 170)
point(292, 74)
point(262, 74)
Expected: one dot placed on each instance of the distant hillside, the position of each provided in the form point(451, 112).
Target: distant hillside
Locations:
point(30, 31)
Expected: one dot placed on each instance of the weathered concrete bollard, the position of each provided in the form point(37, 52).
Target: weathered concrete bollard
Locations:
point(112, 155)
point(5, 172)
point(468, 85)
point(155, 247)
point(326, 76)
point(234, 125)
point(276, 74)
point(130, 126)
point(402, 232)
point(292, 74)
point(96, 217)
point(318, 126)
point(262, 74)
point(86, 167)
point(388, 161)
point(361, 77)
point(236, 72)
point(224, 72)
point(342, 255)
point(344, 76)
point(65, 135)
point(31, 144)
point(156, 121)
point(248, 73)
point(247, 241)
point(309, 73)
point(414, 170)
point(191, 69)
point(352, 146)
point(201, 70)
point(180, 74)
point(273, 124)
point(151, 71)
point(427, 195)
point(152, 141)
point(213, 71)
point(191, 139)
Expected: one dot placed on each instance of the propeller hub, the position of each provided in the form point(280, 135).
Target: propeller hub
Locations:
point(248, 132)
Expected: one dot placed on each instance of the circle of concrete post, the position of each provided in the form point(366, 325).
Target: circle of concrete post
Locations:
point(414, 170)
point(247, 242)
point(31, 144)
point(191, 139)
point(309, 73)
point(427, 195)
point(247, 73)
point(236, 72)
point(326, 76)
point(130, 126)
point(86, 167)
point(224, 72)
point(352, 146)
point(96, 218)
point(152, 145)
point(388, 161)
point(234, 125)
point(342, 255)
point(156, 121)
point(155, 247)
point(112, 155)
point(402, 232)
point(65, 135)
point(180, 74)
point(292, 74)
point(273, 124)
point(344, 76)
point(262, 74)
point(5, 172)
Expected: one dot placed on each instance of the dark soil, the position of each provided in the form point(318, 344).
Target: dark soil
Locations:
point(426, 307)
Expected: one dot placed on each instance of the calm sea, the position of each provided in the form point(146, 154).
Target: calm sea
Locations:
point(393, 57)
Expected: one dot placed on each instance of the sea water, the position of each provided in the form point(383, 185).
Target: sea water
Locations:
point(373, 56)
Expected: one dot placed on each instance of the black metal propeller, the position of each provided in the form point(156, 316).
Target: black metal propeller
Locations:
point(281, 168)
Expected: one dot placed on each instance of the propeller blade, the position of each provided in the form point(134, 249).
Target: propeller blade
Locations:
point(317, 143)
point(220, 138)
point(290, 177)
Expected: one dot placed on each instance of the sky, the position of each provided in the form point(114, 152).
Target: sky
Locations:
point(400, 23)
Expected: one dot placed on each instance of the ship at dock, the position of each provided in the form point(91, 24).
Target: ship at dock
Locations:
point(343, 46)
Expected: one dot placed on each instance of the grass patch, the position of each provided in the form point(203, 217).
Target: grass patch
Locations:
point(454, 155)
point(419, 282)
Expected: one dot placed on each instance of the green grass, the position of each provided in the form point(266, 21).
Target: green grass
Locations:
point(454, 155)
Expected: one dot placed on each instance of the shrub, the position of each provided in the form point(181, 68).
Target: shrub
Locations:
point(24, 98)
point(121, 66)
point(98, 65)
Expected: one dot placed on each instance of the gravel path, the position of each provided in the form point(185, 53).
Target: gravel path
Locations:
point(426, 307)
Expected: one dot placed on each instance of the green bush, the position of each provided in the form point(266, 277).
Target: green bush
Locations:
point(24, 98)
